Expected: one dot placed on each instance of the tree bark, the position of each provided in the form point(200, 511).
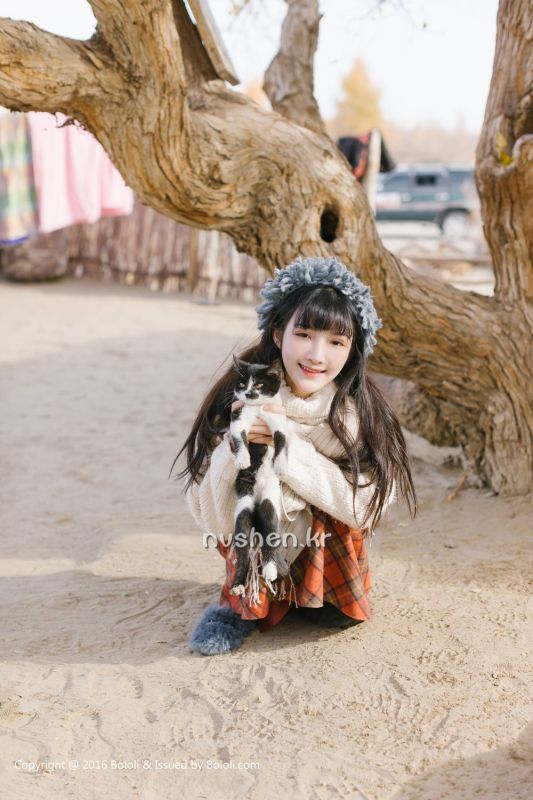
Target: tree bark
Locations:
point(207, 156)
point(504, 175)
point(289, 78)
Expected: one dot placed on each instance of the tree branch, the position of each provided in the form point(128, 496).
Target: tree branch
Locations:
point(138, 32)
point(288, 80)
point(504, 154)
point(39, 70)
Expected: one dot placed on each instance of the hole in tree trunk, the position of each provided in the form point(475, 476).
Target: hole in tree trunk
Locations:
point(329, 222)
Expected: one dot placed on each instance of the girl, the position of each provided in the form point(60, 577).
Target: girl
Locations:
point(346, 455)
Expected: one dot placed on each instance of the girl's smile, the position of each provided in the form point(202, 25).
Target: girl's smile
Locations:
point(311, 358)
point(310, 372)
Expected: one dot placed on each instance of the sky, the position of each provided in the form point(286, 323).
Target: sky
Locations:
point(430, 59)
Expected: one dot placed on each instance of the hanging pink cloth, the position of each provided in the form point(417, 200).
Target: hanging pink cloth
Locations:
point(74, 178)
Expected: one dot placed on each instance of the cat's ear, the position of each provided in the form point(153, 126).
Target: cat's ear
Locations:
point(276, 370)
point(240, 366)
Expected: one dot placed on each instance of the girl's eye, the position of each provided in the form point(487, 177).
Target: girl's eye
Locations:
point(301, 333)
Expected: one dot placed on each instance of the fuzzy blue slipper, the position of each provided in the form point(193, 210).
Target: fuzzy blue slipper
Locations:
point(219, 630)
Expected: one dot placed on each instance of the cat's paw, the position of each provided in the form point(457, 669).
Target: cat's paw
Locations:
point(237, 590)
point(270, 571)
point(242, 459)
point(276, 421)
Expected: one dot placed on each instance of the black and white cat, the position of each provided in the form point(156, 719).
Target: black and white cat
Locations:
point(257, 484)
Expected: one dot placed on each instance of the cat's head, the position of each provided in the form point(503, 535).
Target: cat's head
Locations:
point(256, 383)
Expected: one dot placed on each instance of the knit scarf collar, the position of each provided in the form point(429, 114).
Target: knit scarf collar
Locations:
point(309, 410)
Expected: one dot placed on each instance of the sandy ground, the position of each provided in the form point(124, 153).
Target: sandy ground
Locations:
point(103, 576)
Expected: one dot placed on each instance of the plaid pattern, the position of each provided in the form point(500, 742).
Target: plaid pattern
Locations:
point(335, 569)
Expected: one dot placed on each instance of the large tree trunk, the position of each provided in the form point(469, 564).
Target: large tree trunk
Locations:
point(505, 182)
point(210, 157)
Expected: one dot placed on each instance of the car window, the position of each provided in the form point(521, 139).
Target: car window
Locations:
point(458, 177)
point(428, 179)
point(397, 183)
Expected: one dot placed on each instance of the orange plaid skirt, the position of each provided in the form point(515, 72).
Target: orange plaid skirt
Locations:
point(333, 569)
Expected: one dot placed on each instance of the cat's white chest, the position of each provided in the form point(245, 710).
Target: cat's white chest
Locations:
point(247, 417)
point(266, 482)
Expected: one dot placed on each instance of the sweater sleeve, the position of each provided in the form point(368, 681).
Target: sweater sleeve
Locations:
point(212, 502)
point(322, 483)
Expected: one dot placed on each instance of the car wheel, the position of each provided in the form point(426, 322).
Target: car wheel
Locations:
point(457, 225)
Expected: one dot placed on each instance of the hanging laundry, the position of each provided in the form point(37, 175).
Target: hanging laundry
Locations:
point(74, 178)
point(18, 210)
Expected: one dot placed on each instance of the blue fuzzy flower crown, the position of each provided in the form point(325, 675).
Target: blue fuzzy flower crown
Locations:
point(329, 272)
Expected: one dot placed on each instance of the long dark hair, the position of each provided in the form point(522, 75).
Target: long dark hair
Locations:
point(379, 450)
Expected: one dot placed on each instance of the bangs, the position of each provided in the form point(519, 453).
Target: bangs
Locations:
point(327, 310)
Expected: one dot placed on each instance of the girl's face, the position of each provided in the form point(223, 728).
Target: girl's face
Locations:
point(324, 352)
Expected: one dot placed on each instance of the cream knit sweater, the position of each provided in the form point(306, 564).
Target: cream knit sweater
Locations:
point(311, 477)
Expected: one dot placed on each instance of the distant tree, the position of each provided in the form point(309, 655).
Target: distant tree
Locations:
point(359, 109)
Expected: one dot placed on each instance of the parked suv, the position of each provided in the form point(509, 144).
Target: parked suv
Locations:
point(441, 194)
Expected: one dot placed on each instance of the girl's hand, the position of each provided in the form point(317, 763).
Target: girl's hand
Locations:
point(260, 433)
